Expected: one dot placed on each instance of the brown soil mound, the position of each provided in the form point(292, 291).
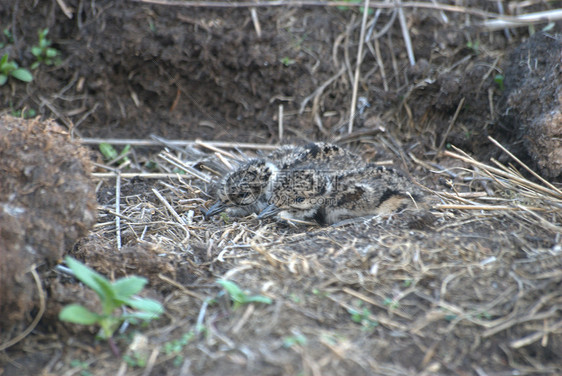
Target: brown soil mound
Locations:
point(47, 203)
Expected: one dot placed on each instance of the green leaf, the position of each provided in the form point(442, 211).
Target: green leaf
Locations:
point(233, 290)
point(298, 339)
point(51, 52)
point(42, 37)
point(78, 314)
point(108, 294)
point(147, 305)
point(498, 79)
point(125, 150)
point(143, 316)
point(126, 287)
point(108, 151)
point(4, 59)
point(9, 67)
point(257, 299)
point(86, 275)
point(239, 296)
point(36, 51)
point(35, 65)
point(22, 74)
point(3, 79)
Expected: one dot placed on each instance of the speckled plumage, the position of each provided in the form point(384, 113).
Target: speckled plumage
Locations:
point(247, 189)
point(330, 198)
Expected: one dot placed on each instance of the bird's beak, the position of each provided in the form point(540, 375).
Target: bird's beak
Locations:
point(217, 208)
point(269, 211)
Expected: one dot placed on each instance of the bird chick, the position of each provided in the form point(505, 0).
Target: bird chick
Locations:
point(325, 156)
point(247, 189)
point(331, 198)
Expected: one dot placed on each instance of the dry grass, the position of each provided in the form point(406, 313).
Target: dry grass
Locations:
point(474, 287)
point(477, 285)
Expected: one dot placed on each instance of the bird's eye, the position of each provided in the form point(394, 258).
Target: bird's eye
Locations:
point(299, 200)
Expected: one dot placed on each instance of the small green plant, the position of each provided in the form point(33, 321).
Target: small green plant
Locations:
point(9, 37)
point(290, 341)
point(485, 315)
point(8, 34)
point(43, 52)
point(77, 363)
point(363, 317)
point(239, 296)
point(111, 155)
point(548, 27)
point(113, 295)
point(449, 315)
point(319, 293)
point(24, 114)
point(151, 165)
point(474, 46)
point(295, 298)
point(135, 360)
point(225, 218)
point(176, 345)
point(498, 79)
point(10, 68)
point(287, 61)
point(361, 9)
point(391, 303)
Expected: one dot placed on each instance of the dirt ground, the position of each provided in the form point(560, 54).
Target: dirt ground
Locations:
point(472, 288)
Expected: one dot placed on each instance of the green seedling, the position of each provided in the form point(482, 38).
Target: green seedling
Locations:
point(295, 298)
point(474, 46)
point(25, 114)
point(76, 363)
point(43, 52)
point(290, 341)
point(10, 68)
point(319, 293)
point(498, 79)
point(8, 34)
point(151, 165)
point(362, 317)
point(361, 9)
point(484, 315)
point(113, 295)
point(548, 27)
point(287, 61)
point(9, 37)
point(239, 296)
point(176, 345)
point(225, 218)
point(111, 155)
point(135, 360)
point(391, 303)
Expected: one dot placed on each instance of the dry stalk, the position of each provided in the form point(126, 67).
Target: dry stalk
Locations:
point(358, 67)
point(36, 319)
point(118, 210)
point(145, 142)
